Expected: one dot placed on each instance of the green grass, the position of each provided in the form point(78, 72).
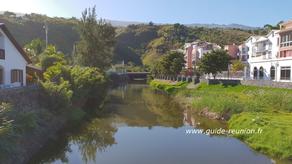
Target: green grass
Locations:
point(276, 136)
point(236, 99)
point(167, 86)
point(248, 107)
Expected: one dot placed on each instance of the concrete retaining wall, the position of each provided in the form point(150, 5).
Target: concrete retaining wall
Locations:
point(267, 83)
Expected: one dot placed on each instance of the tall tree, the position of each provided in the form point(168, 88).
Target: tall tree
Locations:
point(214, 62)
point(95, 49)
point(172, 63)
point(34, 49)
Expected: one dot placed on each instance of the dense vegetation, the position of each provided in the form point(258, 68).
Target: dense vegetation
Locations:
point(138, 44)
point(245, 107)
point(214, 62)
point(70, 87)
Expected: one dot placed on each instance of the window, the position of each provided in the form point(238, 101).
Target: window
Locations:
point(285, 73)
point(261, 73)
point(1, 76)
point(272, 73)
point(286, 40)
point(255, 73)
point(2, 54)
point(16, 76)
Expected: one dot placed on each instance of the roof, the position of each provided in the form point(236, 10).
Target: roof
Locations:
point(34, 67)
point(286, 22)
point(14, 42)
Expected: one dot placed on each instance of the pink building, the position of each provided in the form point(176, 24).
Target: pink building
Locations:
point(232, 51)
point(195, 51)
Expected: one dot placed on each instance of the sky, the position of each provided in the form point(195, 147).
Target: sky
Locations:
point(255, 13)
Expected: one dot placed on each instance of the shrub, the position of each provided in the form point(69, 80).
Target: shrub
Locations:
point(57, 96)
point(88, 84)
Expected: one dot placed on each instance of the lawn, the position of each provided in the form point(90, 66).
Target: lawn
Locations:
point(247, 107)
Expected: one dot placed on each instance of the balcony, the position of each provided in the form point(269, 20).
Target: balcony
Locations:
point(261, 49)
point(284, 45)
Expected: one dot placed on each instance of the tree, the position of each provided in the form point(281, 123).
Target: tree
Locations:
point(34, 49)
point(237, 66)
point(51, 57)
point(271, 27)
point(95, 49)
point(214, 62)
point(171, 64)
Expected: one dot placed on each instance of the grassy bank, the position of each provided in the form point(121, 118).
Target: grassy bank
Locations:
point(245, 107)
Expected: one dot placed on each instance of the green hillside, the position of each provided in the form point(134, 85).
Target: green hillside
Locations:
point(62, 32)
point(138, 44)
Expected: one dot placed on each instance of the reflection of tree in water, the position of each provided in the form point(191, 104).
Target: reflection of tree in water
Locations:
point(168, 113)
point(56, 150)
point(95, 137)
point(139, 106)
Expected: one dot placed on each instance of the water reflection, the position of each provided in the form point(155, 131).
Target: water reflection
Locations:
point(138, 126)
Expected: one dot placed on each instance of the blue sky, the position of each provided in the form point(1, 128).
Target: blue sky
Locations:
point(246, 12)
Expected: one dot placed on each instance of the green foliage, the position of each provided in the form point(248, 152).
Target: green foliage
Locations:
point(34, 49)
point(13, 124)
point(221, 36)
point(95, 49)
point(76, 115)
point(214, 62)
point(25, 122)
point(5, 123)
point(235, 99)
point(276, 136)
point(57, 96)
point(168, 87)
point(62, 31)
point(237, 66)
point(269, 27)
point(170, 64)
point(132, 43)
point(51, 57)
point(88, 83)
point(250, 107)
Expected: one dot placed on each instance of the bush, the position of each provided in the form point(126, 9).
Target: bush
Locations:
point(5, 123)
point(88, 83)
point(57, 96)
point(51, 57)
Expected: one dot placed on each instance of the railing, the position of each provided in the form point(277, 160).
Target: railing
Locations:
point(286, 44)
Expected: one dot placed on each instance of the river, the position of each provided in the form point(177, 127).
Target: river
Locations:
point(138, 126)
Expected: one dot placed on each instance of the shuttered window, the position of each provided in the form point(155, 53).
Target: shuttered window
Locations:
point(16, 76)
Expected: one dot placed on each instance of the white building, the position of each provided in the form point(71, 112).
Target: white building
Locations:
point(13, 60)
point(270, 56)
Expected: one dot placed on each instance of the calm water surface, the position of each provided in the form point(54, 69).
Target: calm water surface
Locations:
point(141, 127)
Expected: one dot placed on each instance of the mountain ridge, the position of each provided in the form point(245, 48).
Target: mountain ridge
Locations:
point(122, 23)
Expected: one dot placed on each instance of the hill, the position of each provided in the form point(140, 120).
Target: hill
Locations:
point(138, 44)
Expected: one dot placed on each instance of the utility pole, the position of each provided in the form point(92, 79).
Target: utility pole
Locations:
point(46, 31)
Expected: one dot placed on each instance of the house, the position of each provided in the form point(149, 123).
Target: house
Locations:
point(233, 51)
point(270, 56)
point(195, 51)
point(13, 60)
point(263, 56)
point(243, 53)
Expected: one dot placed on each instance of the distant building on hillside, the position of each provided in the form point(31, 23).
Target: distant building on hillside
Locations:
point(195, 51)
